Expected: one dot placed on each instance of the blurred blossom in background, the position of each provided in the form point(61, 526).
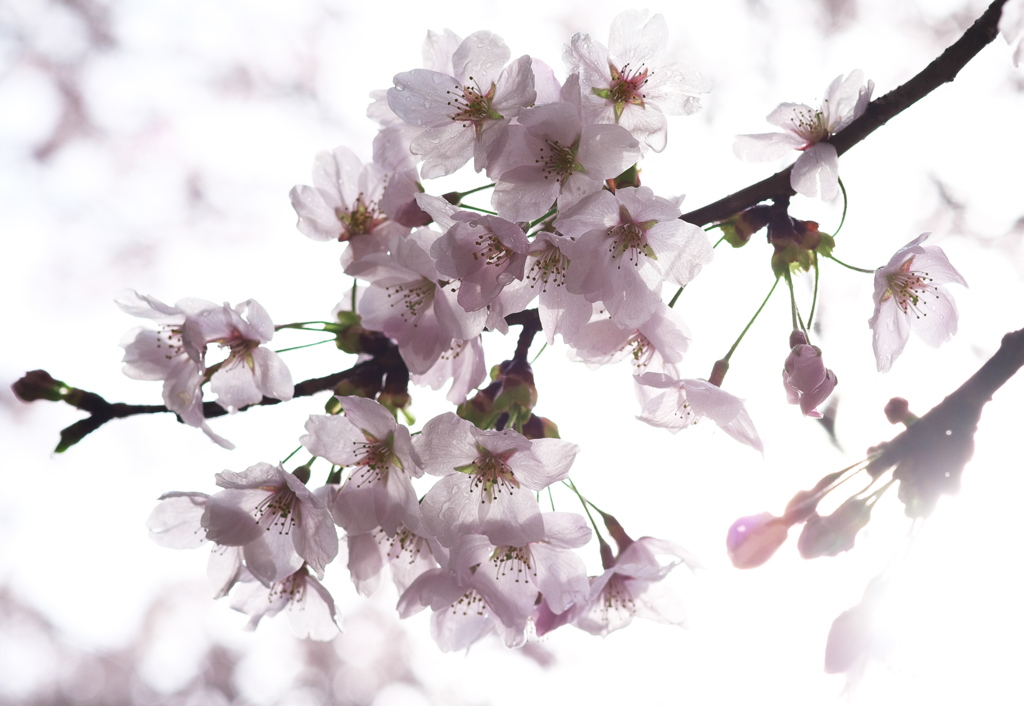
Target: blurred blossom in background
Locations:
point(152, 146)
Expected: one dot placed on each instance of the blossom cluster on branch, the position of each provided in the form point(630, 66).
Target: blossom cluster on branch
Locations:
point(570, 230)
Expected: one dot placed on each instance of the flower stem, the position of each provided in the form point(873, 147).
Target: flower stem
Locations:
point(675, 297)
point(842, 219)
point(305, 345)
point(836, 260)
point(751, 322)
point(814, 298)
point(586, 503)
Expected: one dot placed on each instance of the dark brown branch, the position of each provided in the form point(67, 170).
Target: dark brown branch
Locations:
point(942, 70)
point(930, 455)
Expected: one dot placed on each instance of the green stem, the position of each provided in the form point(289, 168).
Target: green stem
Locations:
point(301, 326)
point(305, 345)
point(288, 457)
point(464, 194)
point(751, 322)
point(814, 298)
point(797, 321)
point(675, 297)
point(543, 218)
point(542, 349)
point(842, 220)
point(586, 503)
point(478, 210)
point(836, 260)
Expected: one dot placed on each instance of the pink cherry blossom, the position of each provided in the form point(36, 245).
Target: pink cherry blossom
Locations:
point(807, 381)
point(463, 364)
point(379, 491)
point(561, 312)
point(627, 244)
point(512, 578)
point(655, 346)
point(488, 480)
point(632, 587)
point(816, 171)
point(410, 301)
point(279, 523)
point(462, 114)
point(406, 553)
point(909, 294)
point(485, 253)
point(250, 370)
point(551, 157)
point(308, 605)
point(460, 617)
point(676, 404)
point(628, 82)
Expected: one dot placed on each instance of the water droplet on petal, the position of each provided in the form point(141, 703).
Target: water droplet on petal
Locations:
point(399, 86)
point(426, 104)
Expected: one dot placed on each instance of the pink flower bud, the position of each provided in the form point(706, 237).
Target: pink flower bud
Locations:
point(807, 381)
point(753, 540)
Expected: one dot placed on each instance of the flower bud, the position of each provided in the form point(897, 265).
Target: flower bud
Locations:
point(39, 385)
point(753, 540)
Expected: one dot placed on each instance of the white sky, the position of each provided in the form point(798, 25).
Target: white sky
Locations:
point(175, 104)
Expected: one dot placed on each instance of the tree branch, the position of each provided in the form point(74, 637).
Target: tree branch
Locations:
point(942, 70)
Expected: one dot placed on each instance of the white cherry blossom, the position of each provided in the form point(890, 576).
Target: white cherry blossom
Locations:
point(628, 81)
point(676, 404)
point(462, 114)
point(816, 171)
point(909, 294)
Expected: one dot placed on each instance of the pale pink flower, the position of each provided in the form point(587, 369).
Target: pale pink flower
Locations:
point(308, 605)
point(628, 82)
point(344, 204)
point(176, 522)
point(511, 579)
point(807, 381)
point(655, 346)
point(379, 491)
point(816, 171)
point(250, 370)
point(561, 312)
point(626, 245)
point(406, 553)
point(550, 157)
point(460, 617)
point(489, 480)
point(411, 302)
point(909, 293)
point(462, 364)
point(279, 523)
point(632, 587)
point(462, 114)
point(485, 253)
point(676, 404)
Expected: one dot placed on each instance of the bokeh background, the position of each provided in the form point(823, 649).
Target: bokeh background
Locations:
point(151, 145)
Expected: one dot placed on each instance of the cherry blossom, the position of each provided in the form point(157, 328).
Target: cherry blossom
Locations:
point(462, 364)
point(279, 523)
point(462, 114)
point(408, 302)
point(816, 171)
point(632, 587)
point(511, 578)
point(676, 404)
point(407, 554)
point(308, 605)
point(460, 617)
point(379, 491)
point(488, 480)
point(655, 346)
point(807, 381)
point(628, 83)
point(561, 312)
point(485, 253)
point(551, 158)
point(168, 354)
point(909, 293)
point(250, 370)
point(627, 244)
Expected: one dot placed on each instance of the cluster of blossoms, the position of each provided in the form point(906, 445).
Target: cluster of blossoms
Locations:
point(570, 228)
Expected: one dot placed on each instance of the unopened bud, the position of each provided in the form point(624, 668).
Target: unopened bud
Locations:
point(753, 540)
point(38, 385)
